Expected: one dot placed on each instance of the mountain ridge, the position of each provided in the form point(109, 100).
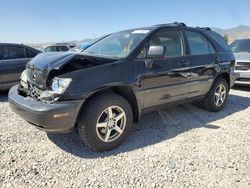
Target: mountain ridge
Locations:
point(238, 32)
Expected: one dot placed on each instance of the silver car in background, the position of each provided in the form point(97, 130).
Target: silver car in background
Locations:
point(241, 49)
point(58, 47)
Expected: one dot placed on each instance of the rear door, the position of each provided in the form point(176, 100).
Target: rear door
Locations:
point(203, 58)
point(167, 80)
point(13, 63)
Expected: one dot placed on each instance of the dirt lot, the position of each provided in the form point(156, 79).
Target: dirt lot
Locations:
point(181, 147)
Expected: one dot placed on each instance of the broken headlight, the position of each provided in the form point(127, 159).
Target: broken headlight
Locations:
point(23, 80)
point(59, 85)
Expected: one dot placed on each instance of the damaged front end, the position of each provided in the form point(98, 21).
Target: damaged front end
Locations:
point(43, 77)
point(50, 94)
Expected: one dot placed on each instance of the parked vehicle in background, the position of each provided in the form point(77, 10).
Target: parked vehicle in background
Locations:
point(241, 49)
point(80, 47)
point(108, 86)
point(58, 47)
point(13, 58)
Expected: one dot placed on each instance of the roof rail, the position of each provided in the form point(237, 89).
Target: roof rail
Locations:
point(180, 24)
point(205, 28)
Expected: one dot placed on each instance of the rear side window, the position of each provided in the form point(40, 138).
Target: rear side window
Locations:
point(171, 40)
point(198, 44)
point(13, 52)
point(30, 53)
point(221, 42)
point(50, 49)
point(62, 48)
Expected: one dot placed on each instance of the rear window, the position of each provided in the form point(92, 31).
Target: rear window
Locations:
point(219, 39)
point(30, 53)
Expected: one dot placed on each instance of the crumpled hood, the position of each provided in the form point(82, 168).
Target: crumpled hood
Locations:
point(39, 68)
point(51, 60)
point(242, 56)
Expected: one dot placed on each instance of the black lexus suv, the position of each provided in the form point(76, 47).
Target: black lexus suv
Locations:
point(107, 87)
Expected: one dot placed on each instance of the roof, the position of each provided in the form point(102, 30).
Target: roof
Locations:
point(174, 24)
point(178, 24)
point(181, 24)
point(16, 44)
point(60, 44)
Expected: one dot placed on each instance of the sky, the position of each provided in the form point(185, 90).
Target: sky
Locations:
point(38, 21)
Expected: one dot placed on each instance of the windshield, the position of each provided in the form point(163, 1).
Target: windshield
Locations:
point(241, 45)
point(117, 45)
point(84, 46)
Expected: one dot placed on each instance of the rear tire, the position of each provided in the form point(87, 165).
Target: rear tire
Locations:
point(105, 122)
point(217, 96)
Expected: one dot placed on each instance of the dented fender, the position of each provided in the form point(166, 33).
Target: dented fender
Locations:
point(85, 82)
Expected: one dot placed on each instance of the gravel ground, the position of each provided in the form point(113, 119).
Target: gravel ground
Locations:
point(181, 147)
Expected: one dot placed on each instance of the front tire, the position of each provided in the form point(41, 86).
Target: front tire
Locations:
point(105, 122)
point(216, 97)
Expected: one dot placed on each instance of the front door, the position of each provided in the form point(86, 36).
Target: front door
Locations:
point(167, 80)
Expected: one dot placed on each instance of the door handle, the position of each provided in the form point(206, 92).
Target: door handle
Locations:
point(149, 63)
point(216, 64)
point(216, 60)
point(185, 63)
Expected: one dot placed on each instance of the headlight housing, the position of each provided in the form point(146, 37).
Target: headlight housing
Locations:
point(24, 79)
point(59, 85)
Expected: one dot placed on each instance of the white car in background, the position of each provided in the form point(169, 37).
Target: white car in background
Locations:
point(58, 47)
point(241, 49)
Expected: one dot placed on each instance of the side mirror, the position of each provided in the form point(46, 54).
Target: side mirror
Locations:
point(156, 52)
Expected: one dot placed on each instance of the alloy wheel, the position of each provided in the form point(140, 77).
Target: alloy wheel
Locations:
point(220, 95)
point(111, 124)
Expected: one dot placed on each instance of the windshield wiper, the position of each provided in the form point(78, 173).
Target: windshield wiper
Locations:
point(87, 52)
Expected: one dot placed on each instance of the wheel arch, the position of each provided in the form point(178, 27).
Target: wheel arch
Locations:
point(226, 76)
point(125, 92)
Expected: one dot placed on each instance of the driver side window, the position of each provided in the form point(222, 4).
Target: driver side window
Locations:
point(172, 41)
